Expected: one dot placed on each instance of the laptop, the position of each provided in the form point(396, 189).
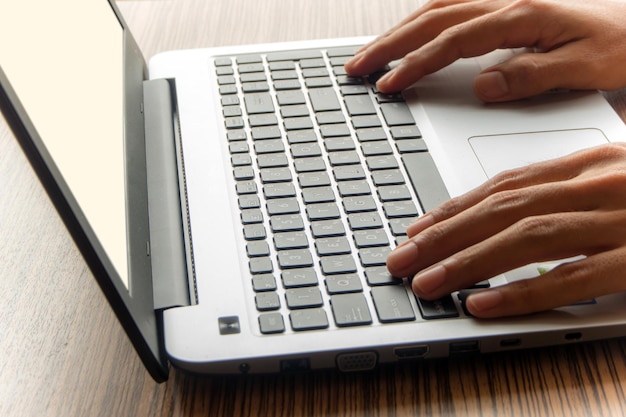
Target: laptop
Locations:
point(236, 205)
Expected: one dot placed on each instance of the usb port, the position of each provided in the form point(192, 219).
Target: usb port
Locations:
point(469, 346)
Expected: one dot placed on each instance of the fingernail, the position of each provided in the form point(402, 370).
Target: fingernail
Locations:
point(491, 85)
point(403, 256)
point(430, 280)
point(485, 300)
point(420, 224)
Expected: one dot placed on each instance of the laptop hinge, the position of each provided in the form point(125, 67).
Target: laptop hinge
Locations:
point(167, 226)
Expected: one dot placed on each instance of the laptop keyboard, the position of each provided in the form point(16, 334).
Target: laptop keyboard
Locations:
point(329, 173)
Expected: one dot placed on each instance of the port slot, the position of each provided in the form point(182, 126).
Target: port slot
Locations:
point(357, 361)
point(469, 346)
point(510, 342)
point(573, 336)
point(411, 352)
point(295, 365)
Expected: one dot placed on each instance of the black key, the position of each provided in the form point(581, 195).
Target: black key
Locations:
point(426, 180)
point(350, 310)
point(392, 304)
point(438, 309)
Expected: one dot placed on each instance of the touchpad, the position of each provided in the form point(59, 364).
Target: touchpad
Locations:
point(501, 152)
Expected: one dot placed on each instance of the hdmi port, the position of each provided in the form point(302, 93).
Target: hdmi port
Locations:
point(411, 352)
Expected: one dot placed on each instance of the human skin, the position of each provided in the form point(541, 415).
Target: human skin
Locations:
point(572, 206)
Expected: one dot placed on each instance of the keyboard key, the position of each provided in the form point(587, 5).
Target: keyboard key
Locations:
point(379, 275)
point(339, 144)
point(323, 211)
point(308, 319)
point(343, 284)
point(359, 105)
point(353, 188)
point(290, 240)
point(264, 282)
point(438, 309)
point(360, 221)
point(286, 223)
point(267, 301)
point(378, 147)
point(262, 265)
point(370, 238)
point(258, 103)
point(344, 158)
point(309, 165)
point(256, 248)
point(411, 145)
point(371, 134)
point(313, 179)
point(272, 160)
point(283, 206)
point(305, 150)
point(375, 163)
point(307, 297)
point(251, 216)
point(405, 132)
point(315, 195)
point(293, 55)
point(330, 117)
point(338, 264)
point(332, 246)
point(393, 193)
point(349, 172)
point(324, 99)
point(335, 130)
point(374, 256)
point(397, 114)
point(296, 258)
point(290, 97)
point(397, 209)
point(350, 310)
point(359, 204)
point(301, 136)
point(270, 175)
point(295, 278)
point(254, 232)
point(279, 190)
point(398, 226)
point(425, 179)
point(271, 323)
point(392, 304)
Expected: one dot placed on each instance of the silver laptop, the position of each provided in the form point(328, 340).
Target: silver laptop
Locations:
point(236, 205)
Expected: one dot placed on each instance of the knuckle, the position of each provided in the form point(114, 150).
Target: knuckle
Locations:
point(535, 227)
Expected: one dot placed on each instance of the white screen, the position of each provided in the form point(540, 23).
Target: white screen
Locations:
point(67, 70)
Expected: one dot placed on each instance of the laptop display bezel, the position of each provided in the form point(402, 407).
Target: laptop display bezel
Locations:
point(134, 306)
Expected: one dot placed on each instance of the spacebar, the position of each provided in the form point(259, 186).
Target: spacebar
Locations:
point(426, 180)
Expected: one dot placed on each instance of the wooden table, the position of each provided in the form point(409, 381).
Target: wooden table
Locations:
point(62, 352)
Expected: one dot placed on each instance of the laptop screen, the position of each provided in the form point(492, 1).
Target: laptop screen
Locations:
point(56, 69)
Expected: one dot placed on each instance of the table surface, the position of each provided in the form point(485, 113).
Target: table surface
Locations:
point(64, 354)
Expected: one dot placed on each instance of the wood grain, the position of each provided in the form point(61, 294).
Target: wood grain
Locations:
point(64, 354)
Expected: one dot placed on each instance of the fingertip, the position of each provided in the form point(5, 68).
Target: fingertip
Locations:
point(485, 303)
point(401, 259)
point(491, 86)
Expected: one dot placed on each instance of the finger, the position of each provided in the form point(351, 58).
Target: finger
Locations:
point(530, 74)
point(565, 285)
point(415, 31)
point(519, 24)
point(480, 222)
point(533, 239)
point(560, 169)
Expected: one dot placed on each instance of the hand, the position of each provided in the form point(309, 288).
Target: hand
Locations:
point(579, 43)
point(575, 205)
